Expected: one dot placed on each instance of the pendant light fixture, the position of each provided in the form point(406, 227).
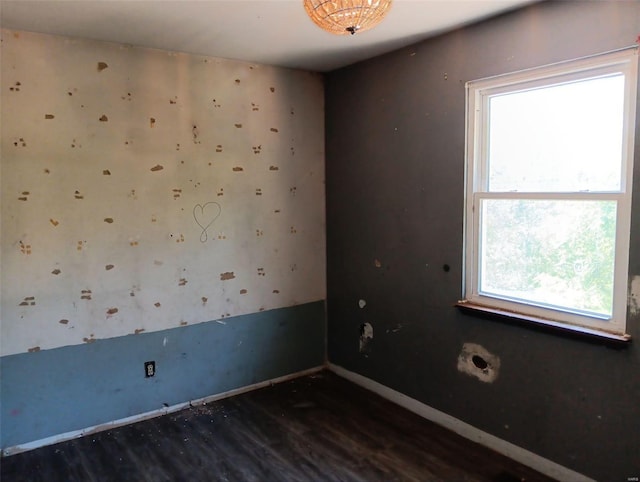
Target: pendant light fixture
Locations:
point(343, 17)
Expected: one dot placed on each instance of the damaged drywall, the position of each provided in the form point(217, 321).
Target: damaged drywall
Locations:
point(634, 295)
point(138, 183)
point(476, 361)
point(366, 336)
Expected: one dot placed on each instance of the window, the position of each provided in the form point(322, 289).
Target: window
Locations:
point(548, 202)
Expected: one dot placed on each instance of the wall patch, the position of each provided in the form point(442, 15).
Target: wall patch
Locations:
point(474, 360)
point(634, 296)
point(366, 335)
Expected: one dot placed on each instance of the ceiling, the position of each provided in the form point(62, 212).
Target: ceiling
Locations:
point(274, 32)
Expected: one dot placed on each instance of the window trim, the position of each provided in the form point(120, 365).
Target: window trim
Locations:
point(478, 93)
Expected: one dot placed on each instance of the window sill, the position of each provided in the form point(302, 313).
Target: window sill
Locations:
point(544, 324)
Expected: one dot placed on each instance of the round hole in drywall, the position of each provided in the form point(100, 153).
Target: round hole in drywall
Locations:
point(480, 362)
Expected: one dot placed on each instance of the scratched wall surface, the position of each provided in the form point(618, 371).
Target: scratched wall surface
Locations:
point(144, 190)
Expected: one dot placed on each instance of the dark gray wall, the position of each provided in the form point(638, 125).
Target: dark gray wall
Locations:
point(395, 186)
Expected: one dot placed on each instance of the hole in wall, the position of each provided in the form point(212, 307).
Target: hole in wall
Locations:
point(476, 361)
point(480, 362)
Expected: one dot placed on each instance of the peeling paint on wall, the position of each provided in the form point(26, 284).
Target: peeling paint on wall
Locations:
point(106, 196)
point(474, 360)
point(366, 335)
point(396, 328)
point(634, 295)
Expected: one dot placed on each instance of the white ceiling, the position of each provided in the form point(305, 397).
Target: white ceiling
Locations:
point(275, 32)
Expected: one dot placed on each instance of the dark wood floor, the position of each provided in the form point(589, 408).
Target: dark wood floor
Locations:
point(319, 427)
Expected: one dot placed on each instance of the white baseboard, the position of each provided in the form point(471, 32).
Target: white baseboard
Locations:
point(16, 449)
point(536, 462)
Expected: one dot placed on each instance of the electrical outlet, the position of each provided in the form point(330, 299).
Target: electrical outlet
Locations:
point(149, 369)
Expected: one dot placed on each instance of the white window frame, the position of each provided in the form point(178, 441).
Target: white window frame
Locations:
point(478, 92)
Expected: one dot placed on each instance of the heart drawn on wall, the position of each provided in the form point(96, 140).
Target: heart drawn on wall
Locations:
point(205, 215)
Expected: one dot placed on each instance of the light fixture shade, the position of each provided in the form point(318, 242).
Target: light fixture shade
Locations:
point(343, 17)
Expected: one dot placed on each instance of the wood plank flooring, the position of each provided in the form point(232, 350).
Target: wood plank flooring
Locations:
point(315, 428)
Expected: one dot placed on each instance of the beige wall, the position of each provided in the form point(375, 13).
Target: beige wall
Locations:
point(144, 189)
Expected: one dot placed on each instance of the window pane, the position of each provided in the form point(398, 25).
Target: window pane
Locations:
point(561, 138)
point(558, 253)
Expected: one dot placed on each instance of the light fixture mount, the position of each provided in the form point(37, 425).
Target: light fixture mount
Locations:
point(342, 17)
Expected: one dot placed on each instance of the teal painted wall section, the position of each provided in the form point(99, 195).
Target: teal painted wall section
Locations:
point(64, 389)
